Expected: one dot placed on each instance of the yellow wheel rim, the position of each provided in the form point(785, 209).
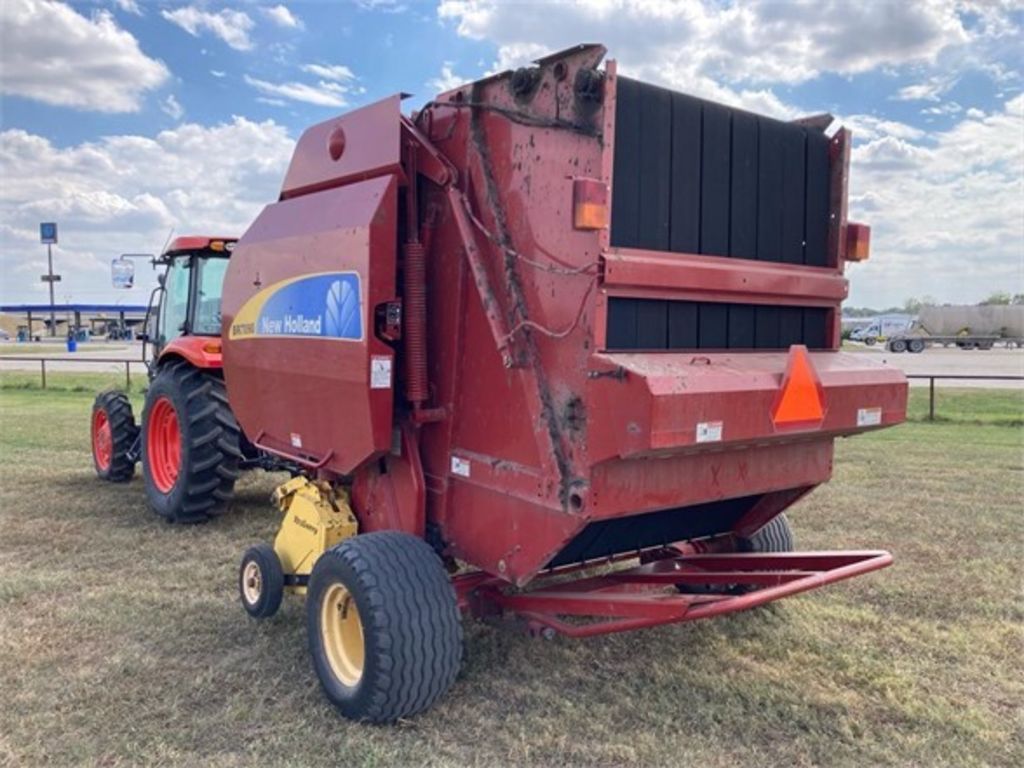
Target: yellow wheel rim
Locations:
point(252, 582)
point(342, 634)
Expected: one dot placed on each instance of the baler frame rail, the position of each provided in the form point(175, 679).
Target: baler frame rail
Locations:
point(635, 597)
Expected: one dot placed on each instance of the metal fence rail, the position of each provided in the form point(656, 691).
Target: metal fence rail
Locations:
point(112, 361)
point(961, 376)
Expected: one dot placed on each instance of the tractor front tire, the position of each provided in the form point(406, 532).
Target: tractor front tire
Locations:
point(190, 444)
point(113, 434)
point(385, 634)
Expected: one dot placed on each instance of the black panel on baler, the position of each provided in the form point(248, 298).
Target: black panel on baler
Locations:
point(743, 221)
point(684, 206)
point(628, 534)
point(693, 176)
point(653, 324)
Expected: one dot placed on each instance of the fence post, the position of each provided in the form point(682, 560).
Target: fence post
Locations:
point(127, 376)
point(42, 370)
point(931, 399)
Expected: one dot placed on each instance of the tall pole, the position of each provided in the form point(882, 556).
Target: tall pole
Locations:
point(53, 309)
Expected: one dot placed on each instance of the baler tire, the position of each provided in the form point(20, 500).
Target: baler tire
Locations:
point(208, 463)
point(261, 581)
point(409, 626)
point(114, 410)
point(776, 536)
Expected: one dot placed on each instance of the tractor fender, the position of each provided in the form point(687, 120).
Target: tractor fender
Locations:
point(201, 351)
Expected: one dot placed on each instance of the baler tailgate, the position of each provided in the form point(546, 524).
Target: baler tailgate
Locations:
point(654, 593)
point(672, 401)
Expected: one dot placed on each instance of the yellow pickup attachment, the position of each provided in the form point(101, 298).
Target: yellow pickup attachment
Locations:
point(316, 517)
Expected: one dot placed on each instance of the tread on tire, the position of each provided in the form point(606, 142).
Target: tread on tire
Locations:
point(411, 626)
point(210, 439)
point(123, 433)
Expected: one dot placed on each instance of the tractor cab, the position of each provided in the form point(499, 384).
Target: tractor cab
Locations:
point(187, 311)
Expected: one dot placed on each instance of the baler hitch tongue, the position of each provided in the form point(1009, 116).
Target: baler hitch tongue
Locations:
point(669, 590)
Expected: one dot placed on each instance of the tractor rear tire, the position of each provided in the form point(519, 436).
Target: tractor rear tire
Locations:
point(385, 634)
point(261, 581)
point(776, 536)
point(190, 444)
point(113, 433)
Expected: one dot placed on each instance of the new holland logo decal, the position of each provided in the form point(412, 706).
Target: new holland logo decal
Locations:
point(327, 305)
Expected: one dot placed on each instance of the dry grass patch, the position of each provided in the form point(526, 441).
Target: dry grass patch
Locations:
point(122, 642)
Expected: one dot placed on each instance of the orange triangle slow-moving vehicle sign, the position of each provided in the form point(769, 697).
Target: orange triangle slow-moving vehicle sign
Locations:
point(801, 399)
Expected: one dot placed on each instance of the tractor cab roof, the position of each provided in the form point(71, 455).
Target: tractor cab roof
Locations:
point(187, 243)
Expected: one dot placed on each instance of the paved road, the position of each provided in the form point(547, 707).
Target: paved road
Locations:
point(938, 360)
point(59, 359)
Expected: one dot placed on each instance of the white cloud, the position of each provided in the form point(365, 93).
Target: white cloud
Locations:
point(129, 6)
point(280, 15)
point(946, 108)
point(233, 27)
point(947, 212)
point(385, 6)
point(868, 127)
point(336, 72)
point(171, 107)
point(324, 94)
point(755, 42)
point(930, 90)
point(124, 193)
point(217, 73)
point(52, 54)
point(447, 80)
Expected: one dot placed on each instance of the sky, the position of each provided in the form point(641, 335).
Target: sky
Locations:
point(125, 120)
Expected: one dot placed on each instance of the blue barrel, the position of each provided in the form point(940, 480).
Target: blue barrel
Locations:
point(72, 344)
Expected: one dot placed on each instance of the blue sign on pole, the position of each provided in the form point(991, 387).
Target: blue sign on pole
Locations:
point(48, 232)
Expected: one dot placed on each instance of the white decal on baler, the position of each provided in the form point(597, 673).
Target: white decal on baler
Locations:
point(869, 417)
point(460, 467)
point(380, 372)
point(709, 432)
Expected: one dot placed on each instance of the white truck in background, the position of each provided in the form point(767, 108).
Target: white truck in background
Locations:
point(965, 327)
point(881, 328)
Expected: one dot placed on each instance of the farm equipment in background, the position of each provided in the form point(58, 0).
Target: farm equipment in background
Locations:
point(558, 319)
point(963, 327)
point(189, 443)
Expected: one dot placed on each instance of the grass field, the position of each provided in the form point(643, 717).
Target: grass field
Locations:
point(122, 642)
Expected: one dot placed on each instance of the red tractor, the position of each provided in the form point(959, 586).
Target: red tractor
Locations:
point(190, 445)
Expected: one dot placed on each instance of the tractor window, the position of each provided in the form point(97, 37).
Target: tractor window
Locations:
point(174, 307)
point(209, 286)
